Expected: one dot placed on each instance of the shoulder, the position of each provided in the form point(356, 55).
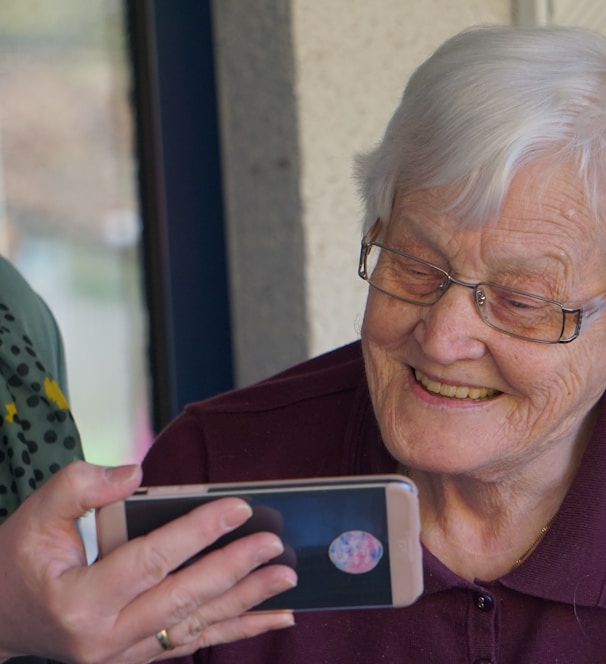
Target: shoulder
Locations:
point(18, 300)
point(293, 424)
point(16, 291)
point(338, 371)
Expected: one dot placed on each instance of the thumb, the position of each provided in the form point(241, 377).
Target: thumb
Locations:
point(82, 486)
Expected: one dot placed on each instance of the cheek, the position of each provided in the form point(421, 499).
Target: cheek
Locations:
point(553, 383)
point(386, 329)
point(583, 378)
point(387, 323)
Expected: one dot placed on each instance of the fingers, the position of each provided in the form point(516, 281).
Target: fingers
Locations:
point(131, 594)
point(212, 589)
point(235, 629)
point(46, 521)
point(142, 563)
point(228, 587)
point(223, 617)
point(214, 619)
point(242, 627)
point(81, 486)
point(135, 596)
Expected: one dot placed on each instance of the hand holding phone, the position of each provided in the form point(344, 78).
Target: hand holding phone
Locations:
point(354, 542)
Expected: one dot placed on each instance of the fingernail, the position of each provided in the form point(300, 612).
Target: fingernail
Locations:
point(236, 516)
point(283, 618)
point(288, 620)
point(121, 474)
point(269, 551)
point(284, 583)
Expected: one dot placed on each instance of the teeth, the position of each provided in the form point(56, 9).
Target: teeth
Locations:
point(456, 391)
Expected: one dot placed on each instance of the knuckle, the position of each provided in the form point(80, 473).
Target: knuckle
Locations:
point(205, 638)
point(74, 474)
point(196, 626)
point(233, 568)
point(234, 629)
point(183, 602)
point(152, 562)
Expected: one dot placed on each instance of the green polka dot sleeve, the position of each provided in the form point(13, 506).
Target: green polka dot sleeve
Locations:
point(38, 435)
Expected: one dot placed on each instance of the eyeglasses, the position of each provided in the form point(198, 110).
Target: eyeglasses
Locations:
point(509, 310)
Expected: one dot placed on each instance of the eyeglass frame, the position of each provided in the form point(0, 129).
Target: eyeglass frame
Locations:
point(586, 312)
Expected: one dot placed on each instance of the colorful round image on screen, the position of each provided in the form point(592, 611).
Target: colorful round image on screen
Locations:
point(355, 552)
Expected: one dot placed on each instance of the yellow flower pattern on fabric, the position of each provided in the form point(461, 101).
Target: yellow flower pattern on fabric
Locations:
point(54, 393)
point(39, 435)
point(11, 411)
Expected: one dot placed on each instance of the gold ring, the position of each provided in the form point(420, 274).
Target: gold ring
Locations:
point(162, 637)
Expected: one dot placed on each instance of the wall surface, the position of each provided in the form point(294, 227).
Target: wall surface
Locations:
point(303, 86)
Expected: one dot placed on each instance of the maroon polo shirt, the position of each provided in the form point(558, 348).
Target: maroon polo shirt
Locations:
point(316, 420)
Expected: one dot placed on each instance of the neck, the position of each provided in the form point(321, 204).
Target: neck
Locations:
point(482, 528)
point(481, 533)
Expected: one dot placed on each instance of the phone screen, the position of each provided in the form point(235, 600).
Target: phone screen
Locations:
point(336, 539)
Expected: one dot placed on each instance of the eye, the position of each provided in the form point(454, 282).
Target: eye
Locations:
point(416, 270)
point(523, 302)
point(507, 303)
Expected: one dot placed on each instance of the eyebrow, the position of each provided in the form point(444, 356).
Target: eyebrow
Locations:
point(420, 240)
point(523, 268)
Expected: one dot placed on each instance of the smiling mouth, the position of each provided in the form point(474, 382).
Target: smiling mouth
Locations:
point(454, 391)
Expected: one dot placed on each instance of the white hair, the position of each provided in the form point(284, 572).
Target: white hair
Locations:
point(488, 101)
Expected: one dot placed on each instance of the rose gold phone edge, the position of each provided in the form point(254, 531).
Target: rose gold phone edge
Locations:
point(401, 506)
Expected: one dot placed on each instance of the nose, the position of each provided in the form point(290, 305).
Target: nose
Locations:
point(451, 329)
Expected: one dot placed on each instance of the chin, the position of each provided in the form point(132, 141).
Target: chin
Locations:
point(430, 449)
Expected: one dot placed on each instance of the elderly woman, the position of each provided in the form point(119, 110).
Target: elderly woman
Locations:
point(480, 371)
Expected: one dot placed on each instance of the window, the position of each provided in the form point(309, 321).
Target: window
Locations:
point(69, 217)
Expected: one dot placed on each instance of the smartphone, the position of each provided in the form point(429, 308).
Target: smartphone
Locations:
point(354, 541)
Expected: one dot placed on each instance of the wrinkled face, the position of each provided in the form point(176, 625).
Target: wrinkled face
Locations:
point(526, 401)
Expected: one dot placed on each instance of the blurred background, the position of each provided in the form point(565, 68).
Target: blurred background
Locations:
point(176, 181)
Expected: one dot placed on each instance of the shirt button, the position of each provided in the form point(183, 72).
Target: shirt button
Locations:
point(484, 602)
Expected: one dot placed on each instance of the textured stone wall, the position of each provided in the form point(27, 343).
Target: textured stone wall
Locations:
point(303, 86)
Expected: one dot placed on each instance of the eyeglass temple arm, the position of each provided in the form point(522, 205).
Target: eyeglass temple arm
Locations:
point(590, 311)
point(369, 237)
point(372, 233)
